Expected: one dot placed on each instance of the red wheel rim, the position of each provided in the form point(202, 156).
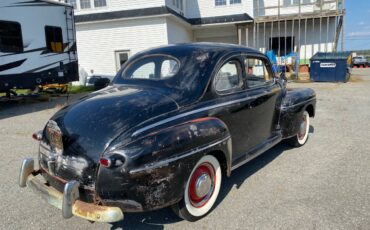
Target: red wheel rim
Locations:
point(204, 173)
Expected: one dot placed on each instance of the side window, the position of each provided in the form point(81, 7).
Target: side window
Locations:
point(10, 37)
point(229, 77)
point(158, 67)
point(54, 39)
point(256, 71)
point(169, 68)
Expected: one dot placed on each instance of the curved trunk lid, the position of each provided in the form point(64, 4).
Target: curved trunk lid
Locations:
point(76, 136)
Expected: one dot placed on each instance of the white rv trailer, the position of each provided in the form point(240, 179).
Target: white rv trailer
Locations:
point(37, 44)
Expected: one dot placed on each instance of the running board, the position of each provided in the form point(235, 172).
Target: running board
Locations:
point(256, 151)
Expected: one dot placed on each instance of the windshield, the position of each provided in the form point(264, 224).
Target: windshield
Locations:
point(156, 67)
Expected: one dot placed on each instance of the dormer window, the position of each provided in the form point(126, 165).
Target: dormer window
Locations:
point(224, 2)
point(100, 3)
point(85, 4)
point(235, 1)
point(290, 2)
point(220, 2)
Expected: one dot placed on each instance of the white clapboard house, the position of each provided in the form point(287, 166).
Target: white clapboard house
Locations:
point(110, 31)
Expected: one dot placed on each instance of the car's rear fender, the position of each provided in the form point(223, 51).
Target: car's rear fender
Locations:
point(154, 169)
point(295, 102)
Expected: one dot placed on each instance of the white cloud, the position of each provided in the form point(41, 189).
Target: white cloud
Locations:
point(358, 34)
point(361, 23)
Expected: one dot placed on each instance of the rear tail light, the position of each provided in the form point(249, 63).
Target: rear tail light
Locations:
point(37, 136)
point(106, 162)
point(114, 160)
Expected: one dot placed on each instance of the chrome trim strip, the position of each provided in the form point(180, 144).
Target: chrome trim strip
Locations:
point(166, 162)
point(139, 131)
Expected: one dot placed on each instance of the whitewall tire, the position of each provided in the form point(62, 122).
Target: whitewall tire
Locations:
point(304, 128)
point(201, 190)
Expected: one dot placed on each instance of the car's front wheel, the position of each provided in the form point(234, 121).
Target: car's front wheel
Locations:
point(201, 191)
point(304, 127)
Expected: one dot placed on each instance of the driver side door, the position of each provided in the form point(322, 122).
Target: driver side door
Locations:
point(252, 118)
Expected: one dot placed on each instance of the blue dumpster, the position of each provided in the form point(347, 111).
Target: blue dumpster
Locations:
point(331, 67)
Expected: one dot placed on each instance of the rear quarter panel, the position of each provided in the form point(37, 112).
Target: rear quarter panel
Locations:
point(158, 164)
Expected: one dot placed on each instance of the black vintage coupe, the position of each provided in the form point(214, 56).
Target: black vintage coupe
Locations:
point(174, 121)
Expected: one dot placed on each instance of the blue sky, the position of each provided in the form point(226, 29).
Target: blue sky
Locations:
point(357, 25)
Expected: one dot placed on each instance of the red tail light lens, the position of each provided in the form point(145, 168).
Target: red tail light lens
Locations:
point(106, 162)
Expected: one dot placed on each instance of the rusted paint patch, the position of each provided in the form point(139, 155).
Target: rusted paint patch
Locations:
point(97, 213)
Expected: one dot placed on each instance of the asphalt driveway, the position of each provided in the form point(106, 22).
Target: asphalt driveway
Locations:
point(323, 185)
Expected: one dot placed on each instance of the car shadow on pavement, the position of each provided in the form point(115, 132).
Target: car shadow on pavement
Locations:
point(241, 174)
point(157, 219)
point(148, 220)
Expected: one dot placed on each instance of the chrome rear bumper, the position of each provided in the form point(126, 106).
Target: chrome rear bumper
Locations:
point(68, 200)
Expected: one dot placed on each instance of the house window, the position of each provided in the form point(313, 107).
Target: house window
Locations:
point(235, 1)
point(274, 45)
point(290, 2)
point(54, 39)
point(85, 4)
point(220, 2)
point(100, 3)
point(73, 3)
point(10, 37)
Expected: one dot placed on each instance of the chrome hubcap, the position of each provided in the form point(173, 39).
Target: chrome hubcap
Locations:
point(203, 185)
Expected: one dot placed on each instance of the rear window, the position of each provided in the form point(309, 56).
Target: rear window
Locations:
point(156, 67)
